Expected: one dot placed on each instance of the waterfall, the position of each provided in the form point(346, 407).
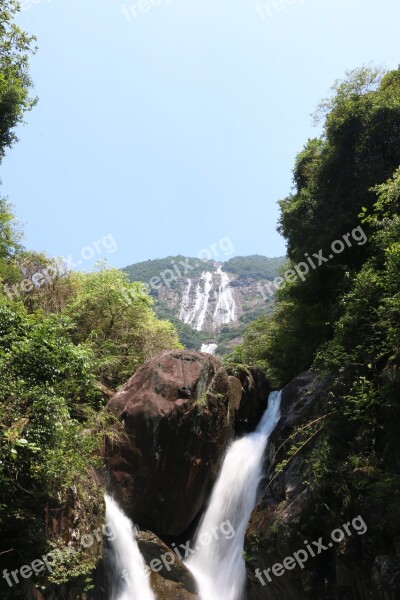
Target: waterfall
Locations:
point(130, 579)
point(218, 566)
point(204, 300)
point(210, 303)
point(225, 309)
point(185, 304)
point(194, 314)
point(209, 348)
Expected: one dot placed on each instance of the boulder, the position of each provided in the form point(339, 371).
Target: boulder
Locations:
point(169, 577)
point(254, 398)
point(178, 412)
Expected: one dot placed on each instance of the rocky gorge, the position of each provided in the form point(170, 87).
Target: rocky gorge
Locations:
point(179, 412)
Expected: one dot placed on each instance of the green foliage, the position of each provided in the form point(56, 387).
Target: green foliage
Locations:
point(10, 238)
point(254, 266)
point(48, 284)
point(365, 348)
point(357, 83)
point(334, 175)
point(115, 318)
point(50, 428)
point(336, 179)
point(15, 83)
point(188, 337)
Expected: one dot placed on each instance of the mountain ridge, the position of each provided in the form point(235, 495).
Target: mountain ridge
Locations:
point(209, 301)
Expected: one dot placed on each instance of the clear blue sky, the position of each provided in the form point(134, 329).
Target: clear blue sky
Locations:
point(178, 127)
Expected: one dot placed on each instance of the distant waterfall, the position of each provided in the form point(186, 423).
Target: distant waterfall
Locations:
point(184, 314)
point(219, 567)
point(130, 580)
point(210, 303)
point(194, 310)
point(208, 348)
point(225, 309)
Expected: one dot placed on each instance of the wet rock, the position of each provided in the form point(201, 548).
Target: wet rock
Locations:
point(169, 577)
point(298, 505)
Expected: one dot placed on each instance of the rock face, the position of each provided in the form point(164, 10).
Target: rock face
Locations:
point(178, 411)
point(254, 398)
point(285, 500)
point(81, 517)
point(296, 507)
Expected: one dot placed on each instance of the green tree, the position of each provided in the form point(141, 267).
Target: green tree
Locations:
point(115, 318)
point(335, 178)
point(51, 430)
point(15, 84)
point(10, 244)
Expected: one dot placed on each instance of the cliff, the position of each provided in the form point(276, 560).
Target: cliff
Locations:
point(210, 302)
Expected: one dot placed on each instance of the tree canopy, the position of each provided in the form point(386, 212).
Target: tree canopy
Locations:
point(16, 46)
point(335, 178)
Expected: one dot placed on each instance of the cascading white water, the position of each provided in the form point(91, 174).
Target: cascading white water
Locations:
point(185, 303)
point(194, 313)
point(225, 309)
point(209, 348)
point(204, 300)
point(130, 580)
point(219, 567)
point(197, 305)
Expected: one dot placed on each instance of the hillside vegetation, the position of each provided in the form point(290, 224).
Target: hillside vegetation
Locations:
point(255, 266)
point(342, 321)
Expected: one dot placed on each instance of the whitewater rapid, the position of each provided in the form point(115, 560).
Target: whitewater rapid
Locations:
point(130, 580)
point(219, 567)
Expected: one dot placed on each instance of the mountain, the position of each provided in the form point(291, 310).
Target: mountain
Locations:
point(210, 302)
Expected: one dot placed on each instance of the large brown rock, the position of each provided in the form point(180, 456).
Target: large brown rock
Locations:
point(169, 577)
point(178, 413)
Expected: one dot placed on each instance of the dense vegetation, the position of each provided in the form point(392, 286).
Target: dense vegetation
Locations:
point(342, 320)
point(15, 83)
point(335, 180)
point(255, 266)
